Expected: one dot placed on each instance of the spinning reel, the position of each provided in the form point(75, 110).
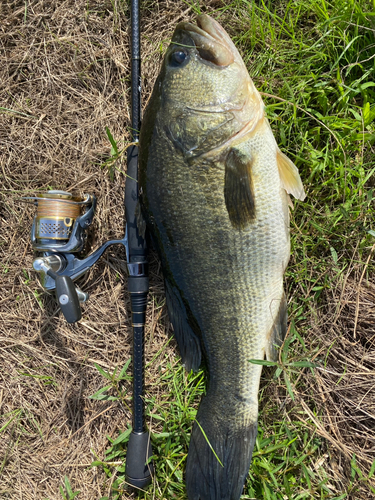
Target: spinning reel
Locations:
point(59, 232)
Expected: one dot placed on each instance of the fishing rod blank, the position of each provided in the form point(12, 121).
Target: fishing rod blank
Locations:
point(138, 471)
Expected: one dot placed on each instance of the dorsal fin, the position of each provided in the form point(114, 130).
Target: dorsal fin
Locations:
point(289, 176)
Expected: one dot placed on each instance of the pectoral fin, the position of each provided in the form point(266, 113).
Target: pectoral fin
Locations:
point(289, 176)
point(188, 342)
point(278, 331)
point(238, 189)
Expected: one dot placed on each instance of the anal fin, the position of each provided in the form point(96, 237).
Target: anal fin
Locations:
point(188, 342)
point(278, 331)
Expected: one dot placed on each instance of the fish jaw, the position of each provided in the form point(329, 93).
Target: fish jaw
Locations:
point(209, 97)
point(210, 35)
point(210, 45)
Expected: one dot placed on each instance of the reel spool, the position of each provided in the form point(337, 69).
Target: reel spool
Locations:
point(59, 223)
point(57, 211)
point(59, 231)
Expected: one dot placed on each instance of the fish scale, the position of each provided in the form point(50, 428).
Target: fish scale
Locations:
point(214, 194)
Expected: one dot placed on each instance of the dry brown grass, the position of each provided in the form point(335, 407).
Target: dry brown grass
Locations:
point(343, 387)
point(64, 73)
point(64, 77)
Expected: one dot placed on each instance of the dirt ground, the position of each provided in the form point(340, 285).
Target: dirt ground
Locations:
point(64, 73)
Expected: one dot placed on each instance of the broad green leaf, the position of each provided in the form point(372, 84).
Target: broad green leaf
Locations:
point(112, 141)
point(302, 364)
point(366, 113)
point(262, 362)
point(334, 255)
point(67, 486)
point(62, 492)
point(124, 370)
point(366, 85)
point(103, 372)
point(372, 470)
point(123, 438)
point(288, 386)
point(99, 393)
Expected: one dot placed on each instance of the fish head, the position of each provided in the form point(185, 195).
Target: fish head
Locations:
point(207, 95)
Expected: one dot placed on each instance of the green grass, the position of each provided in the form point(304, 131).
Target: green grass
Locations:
point(317, 59)
point(67, 493)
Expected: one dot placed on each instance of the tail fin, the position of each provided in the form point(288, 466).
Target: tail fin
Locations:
point(206, 477)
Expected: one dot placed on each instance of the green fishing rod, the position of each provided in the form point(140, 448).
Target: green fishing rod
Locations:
point(138, 471)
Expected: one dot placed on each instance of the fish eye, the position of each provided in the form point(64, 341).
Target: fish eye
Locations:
point(178, 58)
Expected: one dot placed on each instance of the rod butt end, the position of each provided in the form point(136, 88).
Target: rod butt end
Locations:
point(138, 470)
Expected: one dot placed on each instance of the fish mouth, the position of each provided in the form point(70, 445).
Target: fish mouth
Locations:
point(210, 39)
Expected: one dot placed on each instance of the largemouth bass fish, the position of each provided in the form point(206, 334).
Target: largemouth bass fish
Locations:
point(214, 191)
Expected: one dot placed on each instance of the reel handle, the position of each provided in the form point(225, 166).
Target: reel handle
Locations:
point(67, 297)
